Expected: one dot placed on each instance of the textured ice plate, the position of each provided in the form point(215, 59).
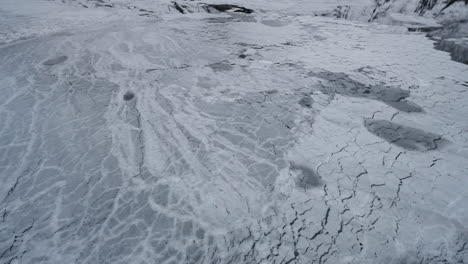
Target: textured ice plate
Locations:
point(228, 138)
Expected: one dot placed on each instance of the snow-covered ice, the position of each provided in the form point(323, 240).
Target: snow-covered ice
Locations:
point(143, 135)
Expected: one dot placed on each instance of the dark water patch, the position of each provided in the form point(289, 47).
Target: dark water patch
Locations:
point(221, 66)
point(306, 101)
point(423, 29)
point(340, 83)
point(128, 96)
point(403, 136)
point(305, 177)
point(405, 106)
point(55, 61)
point(228, 7)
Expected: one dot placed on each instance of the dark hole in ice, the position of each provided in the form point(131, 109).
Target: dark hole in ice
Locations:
point(403, 136)
point(340, 83)
point(128, 96)
point(306, 102)
point(305, 177)
point(55, 61)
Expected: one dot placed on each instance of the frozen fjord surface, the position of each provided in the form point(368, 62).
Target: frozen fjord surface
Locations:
point(263, 138)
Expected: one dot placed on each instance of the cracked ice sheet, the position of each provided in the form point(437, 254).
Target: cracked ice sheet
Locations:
point(230, 151)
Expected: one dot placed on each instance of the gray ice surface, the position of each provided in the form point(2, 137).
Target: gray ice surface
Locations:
point(131, 132)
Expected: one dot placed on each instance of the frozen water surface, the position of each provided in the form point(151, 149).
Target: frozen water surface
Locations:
point(144, 135)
